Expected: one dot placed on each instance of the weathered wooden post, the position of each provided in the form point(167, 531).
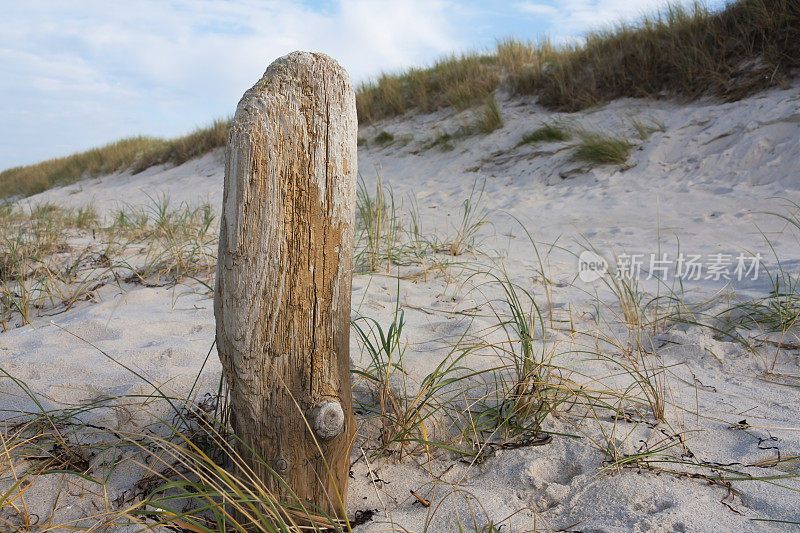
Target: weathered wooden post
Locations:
point(282, 299)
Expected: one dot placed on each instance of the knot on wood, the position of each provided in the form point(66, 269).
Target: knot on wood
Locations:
point(327, 420)
point(281, 465)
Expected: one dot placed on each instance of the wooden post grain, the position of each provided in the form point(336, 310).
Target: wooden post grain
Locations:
point(282, 299)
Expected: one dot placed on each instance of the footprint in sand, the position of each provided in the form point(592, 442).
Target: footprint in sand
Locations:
point(550, 478)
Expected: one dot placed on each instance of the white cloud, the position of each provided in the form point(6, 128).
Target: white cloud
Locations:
point(79, 74)
point(573, 17)
point(531, 8)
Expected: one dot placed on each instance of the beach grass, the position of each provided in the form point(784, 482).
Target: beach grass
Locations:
point(601, 148)
point(686, 52)
point(548, 132)
point(46, 269)
point(488, 117)
point(135, 153)
point(384, 138)
point(645, 128)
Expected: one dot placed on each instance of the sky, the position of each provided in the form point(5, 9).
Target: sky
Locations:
point(78, 74)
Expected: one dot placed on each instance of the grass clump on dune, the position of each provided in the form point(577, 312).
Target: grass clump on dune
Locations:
point(182, 149)
point(488, 117)
point(746, 47)
point(46, 267)
point(645, 129)
point(384, 138)
point(547, 132)
point(601, 148)
point(485, 119)
point(444, 141)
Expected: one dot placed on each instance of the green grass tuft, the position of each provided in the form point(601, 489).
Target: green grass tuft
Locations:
point(645, 129)
point(547, 132)
point(443, 141)
point(601, 148)
point(384, 138)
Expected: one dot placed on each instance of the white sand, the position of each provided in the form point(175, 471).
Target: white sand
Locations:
point(704, 184)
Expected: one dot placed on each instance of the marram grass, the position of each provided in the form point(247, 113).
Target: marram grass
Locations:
point(135, 153)
point(601, 148)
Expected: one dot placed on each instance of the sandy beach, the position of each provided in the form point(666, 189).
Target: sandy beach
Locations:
point(666, 408)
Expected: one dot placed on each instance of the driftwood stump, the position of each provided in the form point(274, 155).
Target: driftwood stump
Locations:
point(282, 299)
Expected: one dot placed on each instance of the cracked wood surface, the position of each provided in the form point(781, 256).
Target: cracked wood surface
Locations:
point(282, 299)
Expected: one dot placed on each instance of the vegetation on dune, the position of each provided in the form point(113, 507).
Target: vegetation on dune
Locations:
point(488, 117)
point(384, 138)
point(135, 153)
point(645, 129)
point(31, 179)
point(748, 46)
point(44, 271)
point(601, 148)
point(547, 132)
